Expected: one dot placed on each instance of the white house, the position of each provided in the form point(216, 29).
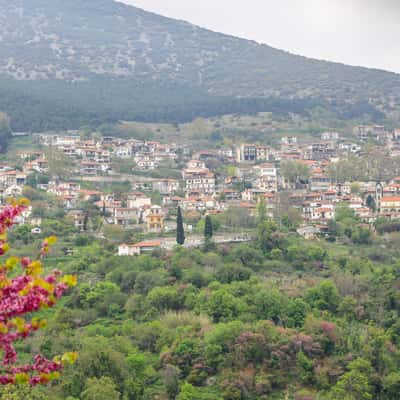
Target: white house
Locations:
point(138, 200)
point(138, 248)
point(267, 177)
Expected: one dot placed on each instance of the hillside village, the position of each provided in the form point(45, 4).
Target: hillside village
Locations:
point(190, 212)
point(301, 178)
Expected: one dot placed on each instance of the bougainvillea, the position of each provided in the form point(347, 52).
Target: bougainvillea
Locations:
point(21, 294)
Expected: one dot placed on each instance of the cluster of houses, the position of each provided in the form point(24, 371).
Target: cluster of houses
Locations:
point(128, 211)
point(255, 172)
point(378, 133)
point(93, 157)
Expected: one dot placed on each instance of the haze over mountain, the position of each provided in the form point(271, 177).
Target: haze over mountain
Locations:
point(76, 61)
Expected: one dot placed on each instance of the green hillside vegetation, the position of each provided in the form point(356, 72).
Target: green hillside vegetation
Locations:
point(278, 318)
point(5, 132)
point(36, 106)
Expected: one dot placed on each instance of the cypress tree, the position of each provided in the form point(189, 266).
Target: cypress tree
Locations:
point(180, 233)
point(208, 228)
point(371, 203)
point(85, 222)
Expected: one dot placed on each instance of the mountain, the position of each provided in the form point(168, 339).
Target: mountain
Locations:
point(73, 61)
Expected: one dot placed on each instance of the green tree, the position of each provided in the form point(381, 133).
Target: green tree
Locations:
point(60, 165)
point(356, 383)
point(22, 233)
point(361, 235)
point(208, 228)
point(85, 222)
point(344, 213)
point(355, 188)
point(371, 204)
point(115, 233)
point(391, 386)
point(180, 232)
point(223, 305)
point(163, 298)
point(347, 307)
point(5, 132)
point(296, 313)
point(324, 296)
point(292, 218)
point(156, 198)
point(216, 224)
point(306, 368)
point(268, 237)
point(295, 172)
point(170, 376)
point(102, 388)
point(261, 210)
point(97, 359)
point(219, 340)
point(270, 305)
point(238, 217)
point(21, 392)
point(190, 392)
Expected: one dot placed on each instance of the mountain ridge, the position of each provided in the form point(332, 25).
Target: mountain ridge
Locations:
point(262, 43)
point(118, 44)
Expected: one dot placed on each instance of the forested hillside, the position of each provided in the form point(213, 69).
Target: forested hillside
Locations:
point(67, 63)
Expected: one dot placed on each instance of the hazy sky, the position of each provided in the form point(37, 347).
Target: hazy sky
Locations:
point(357, 32)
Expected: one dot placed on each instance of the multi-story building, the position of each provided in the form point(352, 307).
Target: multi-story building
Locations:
point(319, 181)
point(64, 188)
point(79, 219)
point(145, 161)
point(155, 219)
point(123, 151)
point(90, 168)
point(350, 147)
point(138, 200)
point(199, 179)
point(246, 152)
point(166, 186)
point(329, 135)
point(253, 153)
point(364, 132)
point(319, 151)
point(264, 153)
point(267, 177)
point(389, 204)
point(126, 216)
point(12, 178)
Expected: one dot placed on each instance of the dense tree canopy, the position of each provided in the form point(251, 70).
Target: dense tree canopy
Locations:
point(5, 132)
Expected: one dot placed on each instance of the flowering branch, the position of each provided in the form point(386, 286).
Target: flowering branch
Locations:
point(24, 294)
